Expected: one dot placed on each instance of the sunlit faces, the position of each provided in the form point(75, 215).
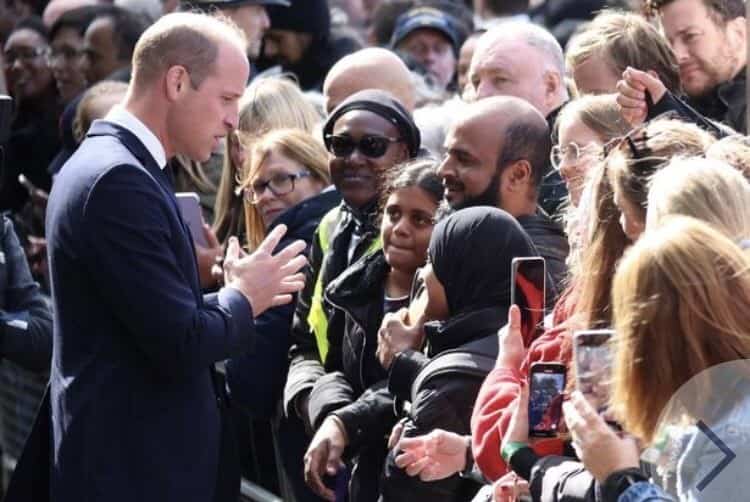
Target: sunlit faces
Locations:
point(358, 177)
point(253, 20)
point(408, 218)
point(433, 50)
point(26, 70)
point(708, 53)
point(595, 75)
point(578, 150)
point(280, 183)
point(200, 118)
point(469, 170)
point(509, 68)
point(67, 63)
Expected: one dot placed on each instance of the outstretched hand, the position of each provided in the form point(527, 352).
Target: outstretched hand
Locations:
point(323, 456)
point(437, 455)
point(267, 280)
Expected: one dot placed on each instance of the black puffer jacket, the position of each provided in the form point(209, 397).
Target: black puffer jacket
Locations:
point(357, 295)
point(444, 402)
point(552, 244)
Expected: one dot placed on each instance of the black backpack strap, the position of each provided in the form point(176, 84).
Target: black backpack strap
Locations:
point(457, 361)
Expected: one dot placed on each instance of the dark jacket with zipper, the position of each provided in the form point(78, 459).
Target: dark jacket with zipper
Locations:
point(357, 295)
point(442, 402)
point(306, 366)
point(356, 391)
point(268, 363)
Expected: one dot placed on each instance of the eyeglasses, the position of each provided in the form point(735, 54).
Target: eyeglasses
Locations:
point(67, 54)
point(280, 184)
point(572, 153)
point(371, 145)
point(25, 55)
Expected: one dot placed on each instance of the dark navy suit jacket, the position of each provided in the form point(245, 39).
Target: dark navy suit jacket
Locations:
point(134, 410)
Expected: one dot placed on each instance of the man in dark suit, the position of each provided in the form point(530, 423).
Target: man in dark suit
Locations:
point(137, 408)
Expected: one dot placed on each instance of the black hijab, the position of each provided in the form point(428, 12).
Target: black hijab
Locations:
point(471, 252)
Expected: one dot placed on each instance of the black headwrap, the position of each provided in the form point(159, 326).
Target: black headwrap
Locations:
point(380, 103)
point(471, 252)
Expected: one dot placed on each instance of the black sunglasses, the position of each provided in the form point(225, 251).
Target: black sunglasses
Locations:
point(371, 145)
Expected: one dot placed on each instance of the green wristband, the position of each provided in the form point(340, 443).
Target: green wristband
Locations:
point(510, 448)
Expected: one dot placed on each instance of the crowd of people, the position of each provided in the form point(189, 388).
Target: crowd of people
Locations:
point(368, 176)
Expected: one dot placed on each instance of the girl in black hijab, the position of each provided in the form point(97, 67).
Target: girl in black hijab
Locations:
point(467, 281)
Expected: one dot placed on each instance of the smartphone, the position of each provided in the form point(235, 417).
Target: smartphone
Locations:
point(546, 391)
point(527, 290)
point(190, 207)
point(592, 357)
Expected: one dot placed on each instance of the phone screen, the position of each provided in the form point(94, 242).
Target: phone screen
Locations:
point(545, 398)
point(593, 360)
point(527, 291)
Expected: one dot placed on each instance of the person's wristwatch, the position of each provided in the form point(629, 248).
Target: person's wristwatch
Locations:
point(469, 466)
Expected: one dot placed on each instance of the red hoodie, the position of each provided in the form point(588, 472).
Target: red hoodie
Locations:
point(496, 400)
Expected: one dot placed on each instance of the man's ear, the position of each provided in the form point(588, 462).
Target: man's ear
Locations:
point(552, 83)
point(519, 175)
point(177, 81)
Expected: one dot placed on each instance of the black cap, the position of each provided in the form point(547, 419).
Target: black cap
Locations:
point(380, 103)
point(427, 18)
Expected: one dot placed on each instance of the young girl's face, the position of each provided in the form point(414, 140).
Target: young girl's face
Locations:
point(407, 224)
point(577, 152)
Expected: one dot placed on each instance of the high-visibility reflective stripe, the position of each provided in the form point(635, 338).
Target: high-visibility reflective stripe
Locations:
point(316, 318)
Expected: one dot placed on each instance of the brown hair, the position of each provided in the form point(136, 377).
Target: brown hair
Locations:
point(647, 149)
point(681, 302)
point(294, 144)
point(625, 39)
point(606, 244)
point(183, 39)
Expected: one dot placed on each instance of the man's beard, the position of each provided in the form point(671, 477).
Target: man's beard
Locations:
point(490, 196)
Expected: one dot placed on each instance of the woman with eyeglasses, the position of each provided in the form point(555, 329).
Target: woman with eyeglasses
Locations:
point(34, 137)
point(350, 405)
point(367, 135)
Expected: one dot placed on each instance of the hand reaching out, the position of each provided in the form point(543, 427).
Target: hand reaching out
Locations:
point(266, 279)
point(631, 94)
point(437, 455)
point(323, 456)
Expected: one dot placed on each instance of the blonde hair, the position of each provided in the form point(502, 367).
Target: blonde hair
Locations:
point(708, 190)
point(734, 150)
point(88, 108)
point(646, 150)
point(625, 39)
point(681, 301)
point(291, 143)
point(267, 104)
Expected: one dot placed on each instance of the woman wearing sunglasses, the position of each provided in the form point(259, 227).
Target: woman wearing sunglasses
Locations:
point(350, 404)
point(367, 135)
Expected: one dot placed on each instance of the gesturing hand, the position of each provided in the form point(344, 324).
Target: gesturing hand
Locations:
point(395, 336)
point(323, 456)
point(437, 455)
point(266, 280)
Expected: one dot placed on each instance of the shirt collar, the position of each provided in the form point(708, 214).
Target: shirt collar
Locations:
point(122, 117)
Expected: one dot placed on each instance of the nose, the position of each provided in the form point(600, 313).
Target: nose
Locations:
point(232, 120)
point(484, 90)
point(264, 197)
point(402, 227)
point(680, 51)
point(445, 169)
